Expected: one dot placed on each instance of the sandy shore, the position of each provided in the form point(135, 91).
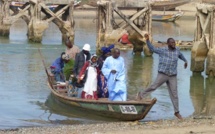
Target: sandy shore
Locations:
point(198, 125)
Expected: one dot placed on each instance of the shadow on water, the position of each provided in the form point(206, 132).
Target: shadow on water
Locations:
point(202, 93)
point(74, 115)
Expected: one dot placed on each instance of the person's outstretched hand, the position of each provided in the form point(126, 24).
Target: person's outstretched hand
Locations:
point(146, 36)
point(185, 65)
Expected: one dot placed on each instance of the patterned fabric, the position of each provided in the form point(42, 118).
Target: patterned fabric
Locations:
point(168, 59)
point(102, 87)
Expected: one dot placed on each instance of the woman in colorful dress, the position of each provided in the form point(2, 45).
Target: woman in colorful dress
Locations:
point(102, 81)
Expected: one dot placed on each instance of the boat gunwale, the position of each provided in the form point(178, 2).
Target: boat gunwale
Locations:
point(148, 102)
point(168, 3)
point(167, 17)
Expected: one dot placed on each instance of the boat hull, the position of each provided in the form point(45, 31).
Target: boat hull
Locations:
point(118, 110)
point(168, 5)
point(167, 18)
point(156, 5)
point(123, 111)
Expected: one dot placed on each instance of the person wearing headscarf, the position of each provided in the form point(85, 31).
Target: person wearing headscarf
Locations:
point(90, 71)
point(58, 65)
point(106, 51)
point(102, 81)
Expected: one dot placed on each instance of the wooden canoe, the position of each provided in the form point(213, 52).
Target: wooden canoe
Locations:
point(167, 17)
point(124, 111)
point(156, 5)
point(168, 4)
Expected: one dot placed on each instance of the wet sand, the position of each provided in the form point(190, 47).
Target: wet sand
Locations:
point(190, 125)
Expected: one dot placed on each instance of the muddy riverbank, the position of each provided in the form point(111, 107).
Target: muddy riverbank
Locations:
point(191, 125)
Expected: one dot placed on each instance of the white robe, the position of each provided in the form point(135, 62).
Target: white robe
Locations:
point(90, 85)
point(116, 82)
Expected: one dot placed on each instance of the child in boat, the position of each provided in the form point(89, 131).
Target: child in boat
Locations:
point(90, 70)
point(57, 67)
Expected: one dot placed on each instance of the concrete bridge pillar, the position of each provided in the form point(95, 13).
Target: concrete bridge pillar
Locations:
point(4, 14)
point(204, 45)
point(198, 56)
point(135, 25)
point(36, 26)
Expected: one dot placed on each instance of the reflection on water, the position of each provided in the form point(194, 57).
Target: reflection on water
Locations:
point(179, 30)
point(25, 97)
point(203, 95)
point(53, 109)
point(139, 74)
point(53, 106)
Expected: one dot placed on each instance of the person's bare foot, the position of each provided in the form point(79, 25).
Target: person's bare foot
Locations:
point(177, 114)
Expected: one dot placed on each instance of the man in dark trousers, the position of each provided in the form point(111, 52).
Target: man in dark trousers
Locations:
point(167, 71)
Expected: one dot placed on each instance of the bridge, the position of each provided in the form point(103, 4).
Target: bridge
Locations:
point(37, 16)
point(204, 42)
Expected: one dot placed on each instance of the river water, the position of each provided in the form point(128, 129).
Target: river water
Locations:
point(25, 96)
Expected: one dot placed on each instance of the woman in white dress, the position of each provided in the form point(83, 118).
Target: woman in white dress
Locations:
point(91, 70)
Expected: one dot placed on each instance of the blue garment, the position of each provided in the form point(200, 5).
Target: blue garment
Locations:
point(168, 59)
point(58, 64)
point(107, 49)
point(116, 82)
point(57, 69)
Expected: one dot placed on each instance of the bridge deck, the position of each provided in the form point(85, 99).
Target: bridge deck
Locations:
point(57, 2)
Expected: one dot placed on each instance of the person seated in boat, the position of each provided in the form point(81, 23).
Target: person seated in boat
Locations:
point(90, 70)
point(125, 39)
point(114, 71)
point(80, 60)
point(57, 67)
point(102, 81)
